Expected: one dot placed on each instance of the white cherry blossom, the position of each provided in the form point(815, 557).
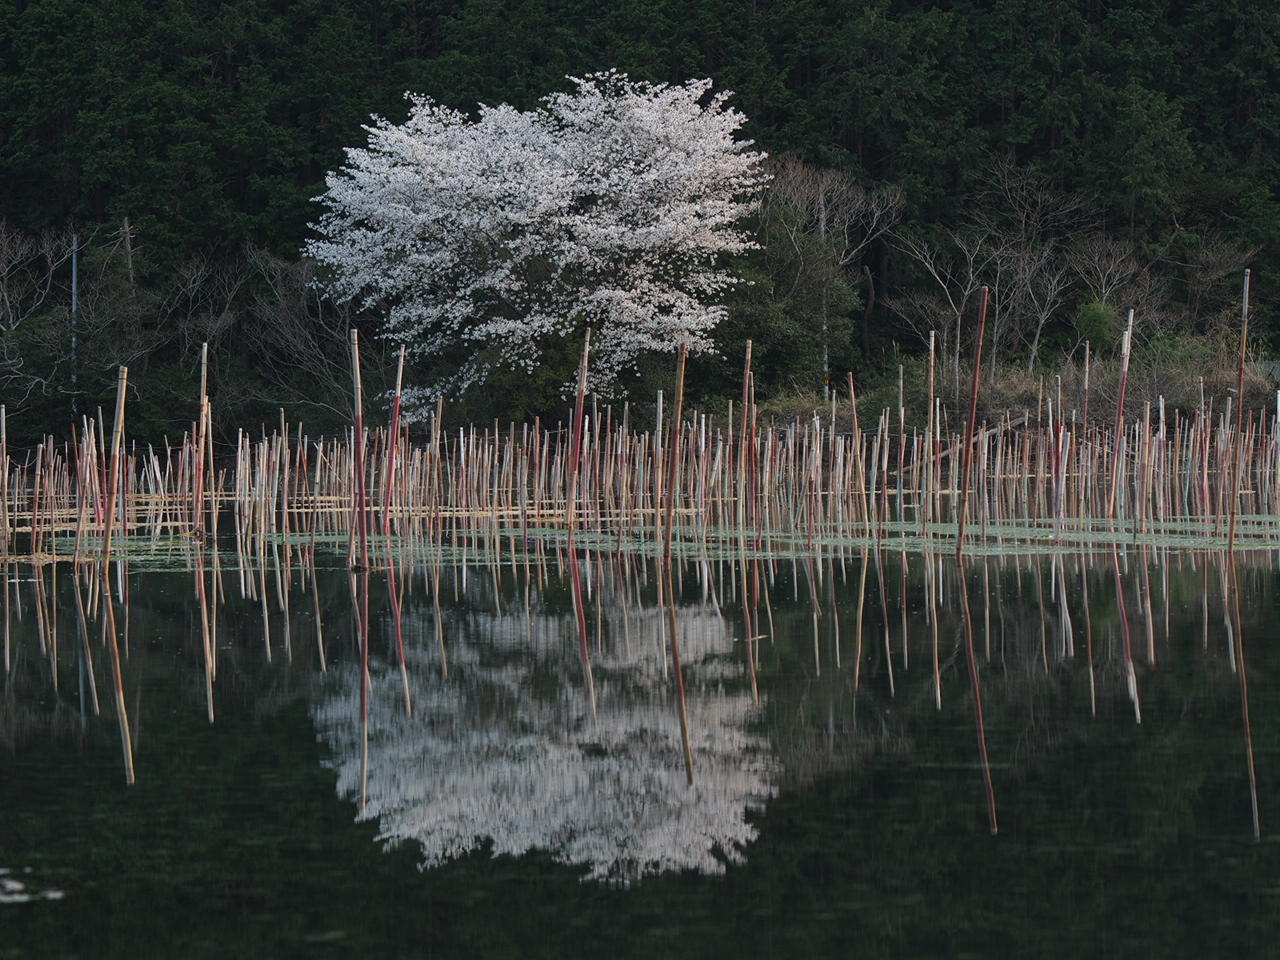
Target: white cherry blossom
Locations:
point(482, 240)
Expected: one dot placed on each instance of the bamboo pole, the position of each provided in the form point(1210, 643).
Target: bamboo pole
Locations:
point(668, 526)
point(967, 470)
point(108, 620)
point(1237, 451)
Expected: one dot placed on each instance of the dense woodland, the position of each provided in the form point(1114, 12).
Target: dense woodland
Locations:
point(1081, 158)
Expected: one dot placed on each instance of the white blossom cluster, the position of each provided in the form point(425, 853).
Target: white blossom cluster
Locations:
point(485, 239)
point(507, 751)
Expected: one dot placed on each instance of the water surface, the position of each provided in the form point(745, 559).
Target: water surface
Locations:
point(529, 806)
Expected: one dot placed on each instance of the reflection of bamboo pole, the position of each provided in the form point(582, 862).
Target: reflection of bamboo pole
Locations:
point(580, 615)
point(81, 622)
point(437, 533)
point(1131, 678)
point(932, 589)
point(882, 590)
point(283, 573)
point(748, 622)
point(206, 640)
point(1244, 695)
point(362, 620)
point(315, 596)
point(1088, 635)
point(972, 657)
point(1043, 619)
point(6, 575)
point(857, 643)
point(815, 610)
point(86, 651)
point(262, 588)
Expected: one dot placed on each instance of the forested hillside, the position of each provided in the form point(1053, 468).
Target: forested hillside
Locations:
point(1082, 157)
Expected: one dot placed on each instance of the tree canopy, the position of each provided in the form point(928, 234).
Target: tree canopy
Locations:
point(607, 207)
point(194, 131)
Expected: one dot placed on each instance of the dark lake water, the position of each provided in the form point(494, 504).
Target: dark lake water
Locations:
point(530, 807)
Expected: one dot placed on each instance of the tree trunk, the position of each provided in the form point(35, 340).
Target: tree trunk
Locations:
point(866, 312)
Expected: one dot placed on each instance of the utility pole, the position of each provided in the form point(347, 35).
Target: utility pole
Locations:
point(75, 310)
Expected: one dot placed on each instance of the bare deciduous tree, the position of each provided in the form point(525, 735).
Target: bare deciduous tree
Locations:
point(1041, 280)
point(1103, 265)
point(299, 336)
point(805, 203)
point(28, 269)
point(1015, 243)
point(1214, 259)
point(956, 268)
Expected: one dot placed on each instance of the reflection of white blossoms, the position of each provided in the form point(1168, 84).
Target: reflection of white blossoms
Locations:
point(506, 750)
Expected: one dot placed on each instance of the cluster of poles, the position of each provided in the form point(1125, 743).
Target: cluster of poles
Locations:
point(690, 482)
point(680, 488)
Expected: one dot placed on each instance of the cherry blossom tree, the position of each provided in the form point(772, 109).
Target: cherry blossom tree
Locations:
point(485, 240)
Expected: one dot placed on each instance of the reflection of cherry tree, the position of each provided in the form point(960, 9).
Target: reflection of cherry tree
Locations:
point(506, 750)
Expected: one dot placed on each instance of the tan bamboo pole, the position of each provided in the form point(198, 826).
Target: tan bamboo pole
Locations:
point(860, 467)
point(108, 621)
point(677, 666)
point(743, 458)
point(197, 465)
point(437, 530)
point(4, 482)
point(902, 448)
point(575, 452)
point(1126, 345)
point(392, 585)
point(924, 495)
point(315, 582)
point(1084, 413)
point(361, 597)
point(1237, 446)
point(83, 626)
point(359, 494)
point(571, 511)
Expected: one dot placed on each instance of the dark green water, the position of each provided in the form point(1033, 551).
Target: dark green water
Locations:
point(826, 821)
